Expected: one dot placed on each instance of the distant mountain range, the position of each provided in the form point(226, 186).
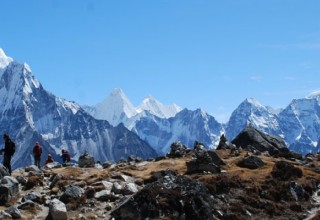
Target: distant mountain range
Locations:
point(29, 113)
point(115, 128)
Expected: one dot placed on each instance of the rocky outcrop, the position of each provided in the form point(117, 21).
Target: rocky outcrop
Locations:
point(176, 197)
point(285, 171)
point(251, 162)
point(203, 161)
point(86, 160)
point(9, 188)
point(177, 150)
point(251, 138)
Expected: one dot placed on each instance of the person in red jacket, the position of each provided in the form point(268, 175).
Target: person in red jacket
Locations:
point(37, 151)
point(49, 159)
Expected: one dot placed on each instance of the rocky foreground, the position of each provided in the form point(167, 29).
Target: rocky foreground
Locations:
point(277, 189)
point(229, 183)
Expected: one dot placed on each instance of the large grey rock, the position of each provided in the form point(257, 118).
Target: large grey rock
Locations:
point(57, 210)
point(55, 179)
point(33, 196)
point(251, 136)
point(5, 216)
point(14, 212)
point(3, 171)
point(130, 188)
point(177, 150)
point(9, 187)
point(105, 184)
point(178, 197)
point(251, 162)
point(72, 193)
point(86, 160)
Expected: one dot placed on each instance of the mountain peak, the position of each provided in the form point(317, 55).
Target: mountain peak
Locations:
point(115, 107)
point(4, 60)
point(152, 105)
point(117, 91)
point(253, 101)
point(313, 94)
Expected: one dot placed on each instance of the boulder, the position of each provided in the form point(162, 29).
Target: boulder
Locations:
point(203, 161)
point(176, 197)
point(258, 140)
point(251, 162)
point(130, 188)
point(73, 193)
point(195, 166)
point(33, 196)
point(284, 170)
point(55, 179)
point(177, 150)
point(14, 212)
point(215, 158)
point(9, 187)
point(57, 210)
point(3, 171)
point(86, 160)
point(5, 216)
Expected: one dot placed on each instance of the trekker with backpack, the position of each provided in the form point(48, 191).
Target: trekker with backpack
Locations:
point(9, 149)
point(37, 151)
point(65, 156)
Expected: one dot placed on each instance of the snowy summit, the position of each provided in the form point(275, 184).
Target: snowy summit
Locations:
point(4, 60)
point(313, 94)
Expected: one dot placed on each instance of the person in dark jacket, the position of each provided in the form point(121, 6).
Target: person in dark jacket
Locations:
point(65, 156)
point(7, 152)
point(37, 151)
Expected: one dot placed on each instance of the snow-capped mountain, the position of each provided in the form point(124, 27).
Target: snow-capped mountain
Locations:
point(157, 108)
point(117, 108)
point(29, 113)
point(187, 126)
point(298, 124)
point(250, 111)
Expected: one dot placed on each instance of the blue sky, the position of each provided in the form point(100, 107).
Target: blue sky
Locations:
point(209, 54)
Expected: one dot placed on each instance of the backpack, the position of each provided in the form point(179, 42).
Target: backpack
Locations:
point(12, 148)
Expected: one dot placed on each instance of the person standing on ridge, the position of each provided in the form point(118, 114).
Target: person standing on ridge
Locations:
point(9, 149)
point(65, 156)
point(37, 151)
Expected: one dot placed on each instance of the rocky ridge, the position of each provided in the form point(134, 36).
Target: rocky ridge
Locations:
point(246, 184)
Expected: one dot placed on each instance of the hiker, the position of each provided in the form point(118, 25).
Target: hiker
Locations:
point(9, 149)
point(65, 156)
point(37, 151)
point(49, 159)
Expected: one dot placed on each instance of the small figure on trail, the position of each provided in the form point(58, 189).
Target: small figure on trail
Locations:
point(37, 151)
point(65, 155)
point(49, 159)
point(9, 149)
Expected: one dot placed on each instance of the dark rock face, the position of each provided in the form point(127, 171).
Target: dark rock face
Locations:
point(251, 162)
point(283, 170)
point(251, 136)
point(176, 197)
